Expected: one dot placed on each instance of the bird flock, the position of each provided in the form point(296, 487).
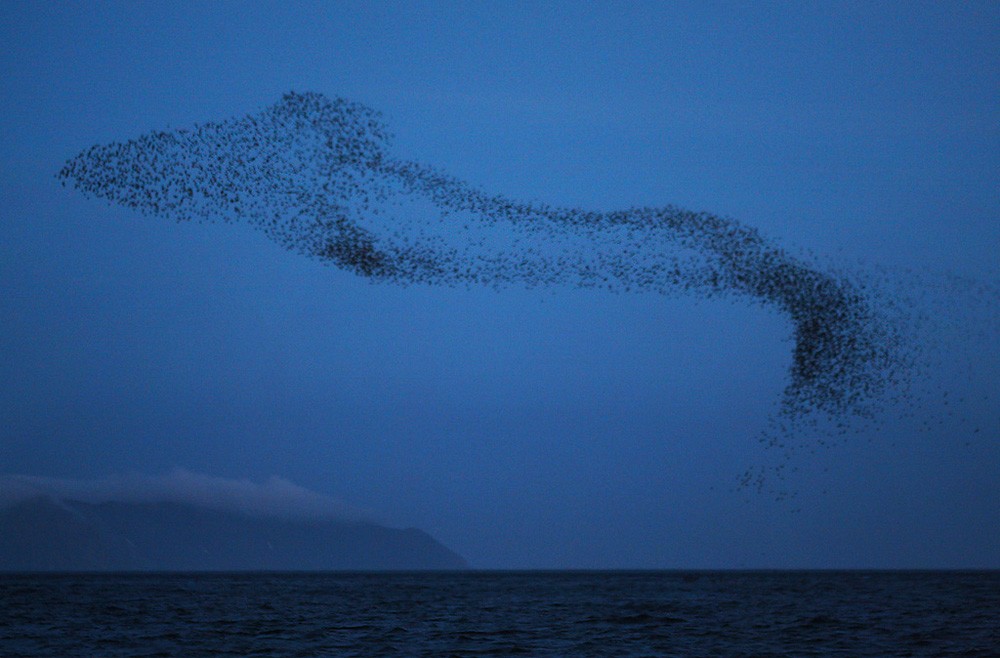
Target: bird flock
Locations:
point(317, 176)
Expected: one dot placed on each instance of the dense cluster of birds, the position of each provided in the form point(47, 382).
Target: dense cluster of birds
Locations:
point(316, 175)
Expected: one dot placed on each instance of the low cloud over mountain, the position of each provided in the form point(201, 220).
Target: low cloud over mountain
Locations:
point(186, 522)
point(276, 497)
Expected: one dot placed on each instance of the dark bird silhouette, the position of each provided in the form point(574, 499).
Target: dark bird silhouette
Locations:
point(317, 176)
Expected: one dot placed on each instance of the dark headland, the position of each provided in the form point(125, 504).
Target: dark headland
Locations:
point(48, 534)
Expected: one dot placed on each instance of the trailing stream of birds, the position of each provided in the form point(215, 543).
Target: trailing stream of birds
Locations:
point(318, 177)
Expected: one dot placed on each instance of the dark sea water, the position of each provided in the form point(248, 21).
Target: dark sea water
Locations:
point(502, 613)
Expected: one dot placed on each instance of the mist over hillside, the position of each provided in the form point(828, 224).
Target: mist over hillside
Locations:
point(160, 529)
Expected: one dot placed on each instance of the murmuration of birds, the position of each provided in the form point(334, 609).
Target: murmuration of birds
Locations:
point(317, 176)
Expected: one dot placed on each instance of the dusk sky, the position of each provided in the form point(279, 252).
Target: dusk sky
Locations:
point(525, 426)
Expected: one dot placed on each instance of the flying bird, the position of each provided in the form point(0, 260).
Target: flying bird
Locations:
point(317, 175)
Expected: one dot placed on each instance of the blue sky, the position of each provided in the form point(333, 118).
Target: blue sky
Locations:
point(550, 427)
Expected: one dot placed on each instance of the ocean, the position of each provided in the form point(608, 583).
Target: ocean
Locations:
point(475, 613)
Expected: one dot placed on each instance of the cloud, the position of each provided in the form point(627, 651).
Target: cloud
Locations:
point(274, 497)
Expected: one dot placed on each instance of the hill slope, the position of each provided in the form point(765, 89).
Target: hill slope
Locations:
point(46, 534)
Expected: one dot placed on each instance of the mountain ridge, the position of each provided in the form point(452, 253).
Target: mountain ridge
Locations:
point(45, 533)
